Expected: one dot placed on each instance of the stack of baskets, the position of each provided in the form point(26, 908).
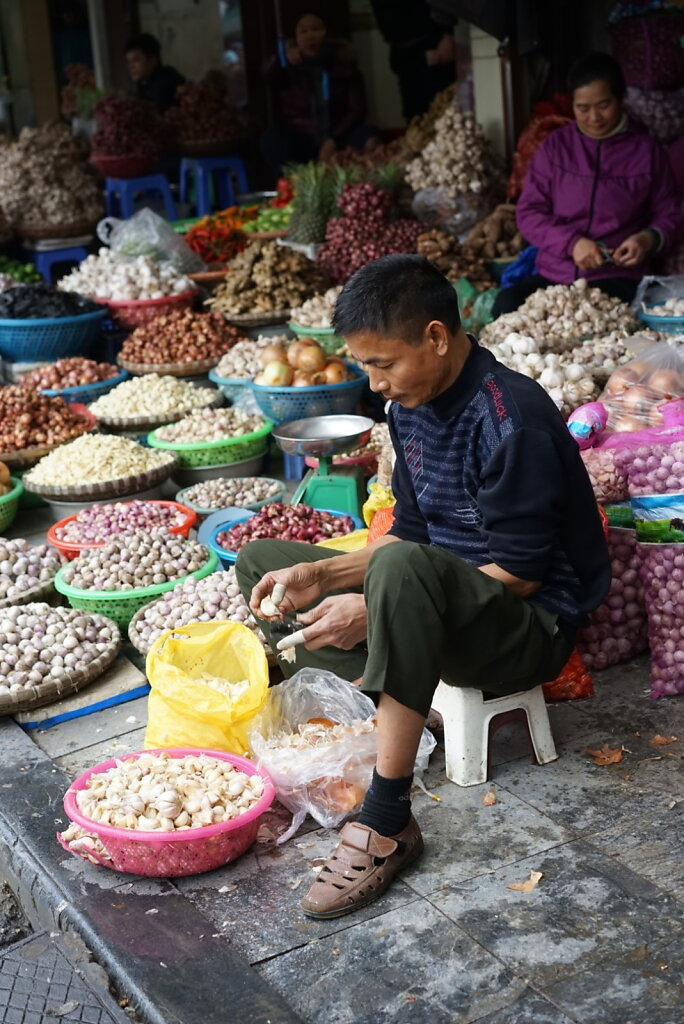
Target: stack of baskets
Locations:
point(9, 504)
point(205, 460)
point(325, 336)
point(132, 313)
point(49, 337)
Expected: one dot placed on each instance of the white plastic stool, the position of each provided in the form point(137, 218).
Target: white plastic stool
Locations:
point(470, 721)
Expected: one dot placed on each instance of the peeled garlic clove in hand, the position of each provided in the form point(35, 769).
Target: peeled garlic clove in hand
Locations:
point(269, 605)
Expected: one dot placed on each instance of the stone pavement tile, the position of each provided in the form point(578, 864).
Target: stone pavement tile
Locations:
point(260, 912)
point(622, 698)
point(77, 761)
point(76, 733)
point(463, 838)
point(639, 987)
point(650, 845)
point(408, 965)
point(529, 1008)
point(585, 909)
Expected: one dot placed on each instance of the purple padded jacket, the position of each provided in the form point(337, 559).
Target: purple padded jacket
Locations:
point(603, 189)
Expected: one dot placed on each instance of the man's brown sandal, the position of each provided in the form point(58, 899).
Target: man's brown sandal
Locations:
point(360, 869)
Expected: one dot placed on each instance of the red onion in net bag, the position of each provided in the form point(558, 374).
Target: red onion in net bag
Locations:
point(618, 626)
point(661, 568)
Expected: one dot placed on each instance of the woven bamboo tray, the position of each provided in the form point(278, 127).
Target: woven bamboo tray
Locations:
point(40, 593)
point(195, 369)
point(147, 423)
point(29, 456)
point(36, 232)
point(278, 316)
point(107, 489)
point(54, 690)
point(144, 649)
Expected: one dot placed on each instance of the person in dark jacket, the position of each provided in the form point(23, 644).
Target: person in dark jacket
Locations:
point(599, 199)
point(320, 98)
point(495, 558)
point(152, 80)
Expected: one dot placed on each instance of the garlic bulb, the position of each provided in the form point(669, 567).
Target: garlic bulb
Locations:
point(569, 384)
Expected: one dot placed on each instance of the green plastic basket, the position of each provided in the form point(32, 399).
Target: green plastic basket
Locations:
point(325, 336)
point(9, 503)
point(121, 606)
point(216, 453)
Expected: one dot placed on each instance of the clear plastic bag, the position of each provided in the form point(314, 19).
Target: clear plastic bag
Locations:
point(327, 780)
point(636, 392)
point(148, 234)
point(654, 292)
point(438, 208)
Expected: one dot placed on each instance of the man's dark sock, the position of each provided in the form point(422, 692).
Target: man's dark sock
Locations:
point(387, 805)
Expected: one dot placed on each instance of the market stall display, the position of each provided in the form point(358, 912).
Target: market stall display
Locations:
point(569, 384)
point(149, 841)
point(265, 281)
point(204, 122)
point(27, 573)
point(11, 490)
point(216, 598)
point(105, 276)
point(250, 492)
point(151, 400)
point(218, 237)
point(181, 342)
point(94, 526)
point(48, 190)
point(243, 361)
point(32, 423)
point(454, 259)
point(47, 653)
point(637, 393)
point(214, 437)
point(496, 237)
point(69, 373)
point(20, 273)
point(286, 522)
point(129, 137)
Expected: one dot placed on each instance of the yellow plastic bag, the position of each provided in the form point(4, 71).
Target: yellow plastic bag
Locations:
point(184, 712)
point(379, 497)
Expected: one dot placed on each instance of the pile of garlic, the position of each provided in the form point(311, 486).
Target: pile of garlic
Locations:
point(158, 792)
point(559, 315)
point(569, 384)
point(152, 395)
point(458, 158)
point(318, 310)
point(671, 307)
point(105, 276)
point(319, 732)
point(242, 360)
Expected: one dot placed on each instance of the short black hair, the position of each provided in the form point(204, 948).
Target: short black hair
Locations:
point(146, 43)
point(597, 67)
point(396, 296)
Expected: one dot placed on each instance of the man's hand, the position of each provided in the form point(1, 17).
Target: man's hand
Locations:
point(587, 255)
point(327, 151)
point(634, 249)
point(292, 52)
point(337, 621)
point(302, 584)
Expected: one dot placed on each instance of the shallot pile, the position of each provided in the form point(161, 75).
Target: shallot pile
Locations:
point(161, 792)
point(216, 598)
point(209, 425)
point(40, 644)
point(266, 277)
point(23, 568)
point(129, 562)
point(180, 336)
point(71, 372)
point(286, 522)
point(204, 112)
point(244, 359)
point(96, 459)
point(618, 626)
point(653, 469)
point(31, 420)
point(105, 276)
point(95, 525)
point(661, 568)
point(152, 396)
point(126, 125)
point(225, 492)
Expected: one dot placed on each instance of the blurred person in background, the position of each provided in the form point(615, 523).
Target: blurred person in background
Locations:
point(152, 80)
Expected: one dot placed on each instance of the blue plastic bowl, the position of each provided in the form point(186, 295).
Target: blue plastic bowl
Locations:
point(663, 324)
point(284, 404)
point(228, 558)
point(87, 393)
point(230, 387)
point(49, 338)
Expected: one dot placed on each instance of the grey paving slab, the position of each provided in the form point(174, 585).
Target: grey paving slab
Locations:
point(73, 735)
point(78, 761)
point(529, 1008)
point(651, 845)
point(641, 987)
point(585, 908)
point(463, 838)
point(408, 965)
point(258, 909)
point(622, 696)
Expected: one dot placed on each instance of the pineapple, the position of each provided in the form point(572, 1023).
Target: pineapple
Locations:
point(314, 203)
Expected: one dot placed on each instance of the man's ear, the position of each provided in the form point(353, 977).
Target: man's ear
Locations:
point(436, 334)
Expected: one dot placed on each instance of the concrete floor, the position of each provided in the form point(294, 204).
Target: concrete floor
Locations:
point(600, 940)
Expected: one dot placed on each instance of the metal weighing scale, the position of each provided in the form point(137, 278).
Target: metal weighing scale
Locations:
point(321, 437)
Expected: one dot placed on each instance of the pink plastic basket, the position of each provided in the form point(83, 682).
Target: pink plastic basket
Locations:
point(172, 854)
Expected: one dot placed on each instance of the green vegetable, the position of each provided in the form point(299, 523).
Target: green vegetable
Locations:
point(25, 273)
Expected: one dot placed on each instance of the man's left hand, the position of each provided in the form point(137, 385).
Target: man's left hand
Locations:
point(338, 621)
point(634, 249)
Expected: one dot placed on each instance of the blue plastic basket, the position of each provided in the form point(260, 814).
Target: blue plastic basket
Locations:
point(230, 387)
point(228, 558)
point(284, 404)
point(49, 338)
point(87, 393)
point(663, 324)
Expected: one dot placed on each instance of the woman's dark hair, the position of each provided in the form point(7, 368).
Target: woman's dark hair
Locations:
point(597, 67)
point(146, 43)
point(396, 296)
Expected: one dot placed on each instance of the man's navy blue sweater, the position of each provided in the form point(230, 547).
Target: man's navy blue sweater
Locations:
point(489, 471)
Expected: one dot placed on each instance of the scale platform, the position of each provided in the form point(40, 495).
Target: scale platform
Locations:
point(321, 437)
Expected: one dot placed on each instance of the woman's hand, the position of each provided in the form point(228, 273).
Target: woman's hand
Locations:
point(338, 621)
point(293, 54)
point(634, 249)
point(302, 582)
point(587, 254)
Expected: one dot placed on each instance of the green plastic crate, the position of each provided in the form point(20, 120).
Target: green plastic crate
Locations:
point(216, 453)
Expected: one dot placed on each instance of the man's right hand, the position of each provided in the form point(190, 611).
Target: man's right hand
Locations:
point(587, 255)
point(303, 586)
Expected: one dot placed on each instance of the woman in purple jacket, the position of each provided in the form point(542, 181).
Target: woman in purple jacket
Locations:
point(599, 199)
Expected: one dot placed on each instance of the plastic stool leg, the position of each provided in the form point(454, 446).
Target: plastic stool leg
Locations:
point(203, 189)
point(126, 199)
point(540, 728)
point(294, 466)
point(237, 165)
point(224, 189)
point(111, 197)
point(169, 204)
point(465, 733)
point(186, 170)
